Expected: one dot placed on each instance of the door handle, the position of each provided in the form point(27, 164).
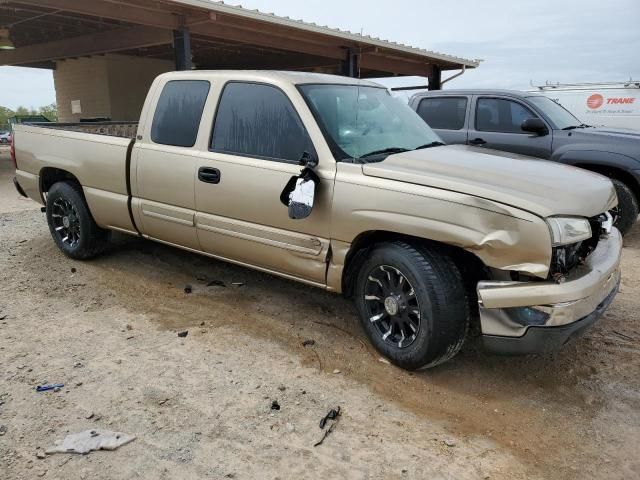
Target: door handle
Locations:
point(477, 142)
point(209, 175)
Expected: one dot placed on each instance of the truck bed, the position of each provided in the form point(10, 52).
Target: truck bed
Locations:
point(112, 129)
point(94, 153)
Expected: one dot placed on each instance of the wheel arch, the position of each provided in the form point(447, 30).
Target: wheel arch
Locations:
point(52, 175)
point(466, 261)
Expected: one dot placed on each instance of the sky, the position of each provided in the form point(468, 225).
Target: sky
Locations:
point(520, 42)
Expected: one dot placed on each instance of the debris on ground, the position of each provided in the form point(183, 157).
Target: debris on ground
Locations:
point(90, 440)
point(282, 388)
point(237, 284)
point(49, 386)
point(183, 334)
point(308, 343)
point(40, 454)
point(216, 283)
point(627, 337)
point(3, 317)
point(336, 371)
point(384, 360)
point(73, 270)
point(449, 443)
point(3, 430)
point(188, 289)
point(333, 414)
point(275, 405)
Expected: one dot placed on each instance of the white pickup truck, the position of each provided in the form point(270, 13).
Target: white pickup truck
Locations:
point(332, 182)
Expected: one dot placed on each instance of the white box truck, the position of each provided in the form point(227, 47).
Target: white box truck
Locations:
point(614, 104)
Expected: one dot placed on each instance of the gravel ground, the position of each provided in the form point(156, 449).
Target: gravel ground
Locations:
point(200, 406)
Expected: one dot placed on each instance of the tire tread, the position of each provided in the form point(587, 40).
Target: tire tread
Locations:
point(448, 298)
point(95, 239)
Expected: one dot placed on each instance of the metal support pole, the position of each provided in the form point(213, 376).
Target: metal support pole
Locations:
point(350, 64)
point(435, 79)
point(182, 48)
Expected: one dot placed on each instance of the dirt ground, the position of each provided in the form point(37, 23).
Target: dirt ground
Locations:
point(200, 406)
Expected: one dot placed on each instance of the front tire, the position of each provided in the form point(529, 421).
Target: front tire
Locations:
point(627, 207)
point(71, 225)
point(412, 304)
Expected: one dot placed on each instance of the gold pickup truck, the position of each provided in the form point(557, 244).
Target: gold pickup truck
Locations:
point(332, 182)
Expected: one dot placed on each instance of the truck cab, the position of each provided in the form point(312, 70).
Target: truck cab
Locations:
point(532, 124)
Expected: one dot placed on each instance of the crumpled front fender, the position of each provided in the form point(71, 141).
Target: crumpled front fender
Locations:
point(503, 237)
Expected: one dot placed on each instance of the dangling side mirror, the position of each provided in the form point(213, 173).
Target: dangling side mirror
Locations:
point(299, 193)
point(302, 198)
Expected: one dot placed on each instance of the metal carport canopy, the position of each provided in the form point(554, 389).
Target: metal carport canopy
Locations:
point(211, 34)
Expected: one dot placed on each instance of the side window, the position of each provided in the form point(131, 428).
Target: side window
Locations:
point(259, 121)
point(447, 113)
point(178, 113)
point(499, 115)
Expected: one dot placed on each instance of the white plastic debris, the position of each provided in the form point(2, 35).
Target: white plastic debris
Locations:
point(89, 440)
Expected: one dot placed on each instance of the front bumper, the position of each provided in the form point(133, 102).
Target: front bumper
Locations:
point(536, 317)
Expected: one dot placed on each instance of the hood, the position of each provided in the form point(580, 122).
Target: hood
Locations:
point(538, 186)
point(622, 141)
point(620, 133)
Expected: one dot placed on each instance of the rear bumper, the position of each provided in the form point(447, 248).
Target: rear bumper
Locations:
point(18, 187)
point(534, 317)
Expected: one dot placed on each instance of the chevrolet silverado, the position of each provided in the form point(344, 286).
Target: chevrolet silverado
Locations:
point(332, 182)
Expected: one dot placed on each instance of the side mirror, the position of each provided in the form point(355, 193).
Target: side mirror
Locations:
point(299, 194)
point(534, 125)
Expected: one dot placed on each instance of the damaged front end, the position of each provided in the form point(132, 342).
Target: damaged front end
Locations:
point(568, 256)
point(540, 316)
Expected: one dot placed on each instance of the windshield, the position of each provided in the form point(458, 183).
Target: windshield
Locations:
point(558, 115)
point(366, 123)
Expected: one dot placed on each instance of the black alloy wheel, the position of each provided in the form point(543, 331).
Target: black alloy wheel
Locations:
point(392, 306)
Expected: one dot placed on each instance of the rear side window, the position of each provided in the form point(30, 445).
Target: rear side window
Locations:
point(256, 120)
point(447, 113)
point(178, 112)
point(499, 115)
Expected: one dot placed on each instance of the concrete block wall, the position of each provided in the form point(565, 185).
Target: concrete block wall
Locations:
point(113, 86)
point(83, 79)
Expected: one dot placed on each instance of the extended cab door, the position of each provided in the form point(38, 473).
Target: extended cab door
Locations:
point(164, 163)
point(446, 115)
point(496, 124)
point(257, 138)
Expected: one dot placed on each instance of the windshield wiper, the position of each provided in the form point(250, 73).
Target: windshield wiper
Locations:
point(573, 127)
point(429, 145)
point(385, 150)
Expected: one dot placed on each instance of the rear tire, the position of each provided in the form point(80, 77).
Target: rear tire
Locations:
point(412, 304)
point(71, 225)
point(627, 207)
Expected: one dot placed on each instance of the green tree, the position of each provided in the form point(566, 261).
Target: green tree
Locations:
point(50, 112)
point(5, 113)
point(24, 111)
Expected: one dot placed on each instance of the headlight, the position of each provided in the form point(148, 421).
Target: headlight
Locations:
point(565, 231)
